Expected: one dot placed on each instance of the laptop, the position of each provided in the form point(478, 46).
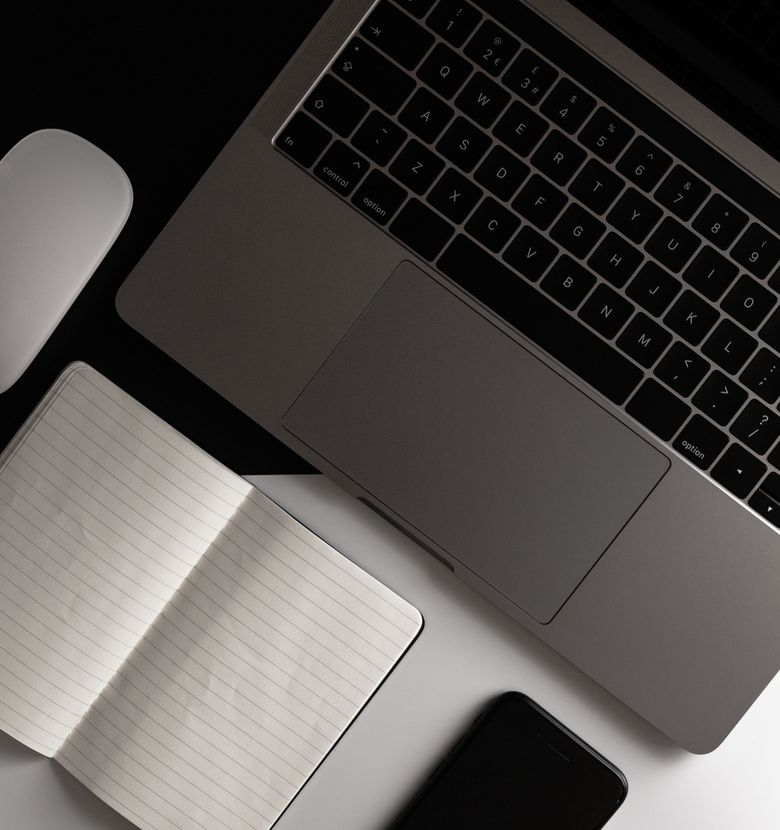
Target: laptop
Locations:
point(511, 285)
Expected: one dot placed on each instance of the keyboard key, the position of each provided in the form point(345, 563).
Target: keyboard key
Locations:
point(418, 8)
point(771, 486)
point(729, 346)
point(766, 506)
point(774, 280)
point(757, 250)
point(396, 35)
point(539, 202)
point(757, 427)
point(520, 128)
point(615, 259)
point(454, 195)
point(530, 253)
point(634, 215)
point(539, 319)
point(710, 273)
point(658, 409)
point(454, 20)
point(653, 288)
point(373, 75)
point(682, 369)
point(770, 333)
point(491, 48)
point(336, 106)
point(568, 106)
point(577, 230)
point(501, 173)
point(416, 166)
point(303, 139)
point(424, 231)
point(444, 71)
point(672, 244)
point(644, 163)
point(482, 99)
point(719, 397)
point(762, 375)
point(644, 340)
point(606, 135)
point(719, 221)
point(379, 197)
point(596, 186)
point(606, 311)
point(463, 144)
point(568, 282)
point(425, 115)
point(754, 20)
point(738, 471)
point(700, 442)
point(749, 302)
point(558, 158)
point(530, 77)
point(691, 317)
point(378, 138)
point(341, 168)
point(682, 192)
point(492, 224)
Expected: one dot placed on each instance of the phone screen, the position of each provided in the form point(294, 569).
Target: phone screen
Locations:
point(517, 767)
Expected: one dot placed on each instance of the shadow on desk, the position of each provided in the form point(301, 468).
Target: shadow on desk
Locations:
point(36, 793)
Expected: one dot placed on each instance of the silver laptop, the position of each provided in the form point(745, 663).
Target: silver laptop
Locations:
point(511, 286)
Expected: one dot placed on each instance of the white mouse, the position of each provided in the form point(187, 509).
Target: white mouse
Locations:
point(63, 202)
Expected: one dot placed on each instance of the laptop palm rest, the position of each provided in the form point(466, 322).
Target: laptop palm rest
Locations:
point(471, 439)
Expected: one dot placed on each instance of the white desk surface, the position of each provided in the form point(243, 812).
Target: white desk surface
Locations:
point(467, 653)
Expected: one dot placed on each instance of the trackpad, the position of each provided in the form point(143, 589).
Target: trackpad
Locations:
point(475, 442)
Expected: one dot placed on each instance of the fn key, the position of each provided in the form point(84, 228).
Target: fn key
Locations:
point(303, 139)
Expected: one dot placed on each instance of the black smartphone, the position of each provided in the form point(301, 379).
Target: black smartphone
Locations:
point(517, 767)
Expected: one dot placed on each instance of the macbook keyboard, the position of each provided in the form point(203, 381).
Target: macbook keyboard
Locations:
point(573, 207)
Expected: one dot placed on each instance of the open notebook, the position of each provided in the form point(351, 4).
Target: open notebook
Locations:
point(168, 634)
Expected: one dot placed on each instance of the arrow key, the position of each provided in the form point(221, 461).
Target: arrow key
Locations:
point(738, 471)
point(766, 506)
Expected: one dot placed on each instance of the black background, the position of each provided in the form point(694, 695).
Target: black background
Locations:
point(161, 89)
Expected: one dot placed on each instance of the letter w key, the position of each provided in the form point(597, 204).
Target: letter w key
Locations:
point(482, 99)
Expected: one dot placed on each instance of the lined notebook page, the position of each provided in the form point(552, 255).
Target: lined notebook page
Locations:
point(103, 513)
point(243, 683)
